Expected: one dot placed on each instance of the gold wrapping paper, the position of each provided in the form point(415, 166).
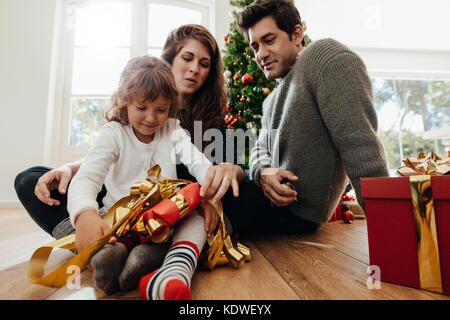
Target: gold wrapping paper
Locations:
point(427, 242)
point(126, 214)
point(419, 170)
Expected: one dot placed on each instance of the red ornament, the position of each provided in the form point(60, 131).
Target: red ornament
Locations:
point(228, 108)
point(345, 197)
point(226, 38)
point(239, 117)
point(247, 79)
point(242, 99)
point(348, 216)
point(228, 118)
point(236, 77)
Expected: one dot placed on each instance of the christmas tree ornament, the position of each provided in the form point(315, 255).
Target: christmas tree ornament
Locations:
point(227, 74)
point(348, 216)
point(242, 99)
point(236, 77)
point(257, 90)
point(228, 108)
point(247, 79)
point(226, 38)
point(265, 91)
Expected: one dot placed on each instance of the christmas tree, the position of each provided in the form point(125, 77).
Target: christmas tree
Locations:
point(246, 83)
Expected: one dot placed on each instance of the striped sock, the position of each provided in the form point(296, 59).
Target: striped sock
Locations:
point(172, 280)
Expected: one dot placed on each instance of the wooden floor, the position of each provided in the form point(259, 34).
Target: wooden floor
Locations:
point(330, 264)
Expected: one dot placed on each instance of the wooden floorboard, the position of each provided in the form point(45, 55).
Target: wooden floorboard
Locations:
point(317, 269)
point(329, 264)
point(345, 238)
point(255, 280)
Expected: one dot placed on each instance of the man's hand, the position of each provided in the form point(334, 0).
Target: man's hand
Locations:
point(56, 178)
point(270, 181)
point(89, 228)
point(211, 216)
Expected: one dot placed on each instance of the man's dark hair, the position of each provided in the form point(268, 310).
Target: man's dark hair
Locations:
point(284, 13)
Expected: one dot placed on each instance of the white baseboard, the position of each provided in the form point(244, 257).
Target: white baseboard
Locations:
point(10, 204)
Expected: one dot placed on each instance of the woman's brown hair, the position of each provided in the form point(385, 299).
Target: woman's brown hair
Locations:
point(207, 103)
point(147, 77)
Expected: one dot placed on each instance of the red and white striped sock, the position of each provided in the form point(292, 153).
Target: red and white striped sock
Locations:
point(172, 280)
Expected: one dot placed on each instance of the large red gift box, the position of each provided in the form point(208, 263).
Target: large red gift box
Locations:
point(391, 228)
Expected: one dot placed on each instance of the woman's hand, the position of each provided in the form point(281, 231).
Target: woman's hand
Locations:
point(219, 178)
point(211, 216)
point(56, 178)
point(89, 228)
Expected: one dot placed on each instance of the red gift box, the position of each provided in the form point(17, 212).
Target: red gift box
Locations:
point(337, 215)
point(391, 228)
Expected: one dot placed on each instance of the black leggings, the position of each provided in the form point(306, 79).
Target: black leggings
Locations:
point(47, 217)
point(250, 213)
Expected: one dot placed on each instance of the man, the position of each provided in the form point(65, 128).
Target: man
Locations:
point(321, 112)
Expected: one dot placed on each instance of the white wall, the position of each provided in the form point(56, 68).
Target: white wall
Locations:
point(408, 36)
point(223, 20)
point(26, 29)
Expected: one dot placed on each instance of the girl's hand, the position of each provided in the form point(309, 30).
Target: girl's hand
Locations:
point(56, 178)
point(219, 178)
point(211, 216)
point(89, 228)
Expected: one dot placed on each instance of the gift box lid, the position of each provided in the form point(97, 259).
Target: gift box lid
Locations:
point(398, 187)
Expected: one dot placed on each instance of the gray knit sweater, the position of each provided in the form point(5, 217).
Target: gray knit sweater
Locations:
point(325, 129)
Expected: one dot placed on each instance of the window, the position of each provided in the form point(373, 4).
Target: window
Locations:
point(410, 69)
point(97, 38)
point(101, 48)
point(410, 112)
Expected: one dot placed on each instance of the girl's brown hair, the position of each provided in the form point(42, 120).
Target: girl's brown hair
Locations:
point(207, 103)
point(147, 77)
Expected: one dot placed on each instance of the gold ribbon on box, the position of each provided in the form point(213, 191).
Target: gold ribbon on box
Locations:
point(127, 215)
point(420, 170)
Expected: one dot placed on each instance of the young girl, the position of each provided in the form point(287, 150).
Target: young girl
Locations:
point(140, 133)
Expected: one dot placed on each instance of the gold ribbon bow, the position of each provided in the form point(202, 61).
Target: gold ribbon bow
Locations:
point(221, 249)
point(124, 216)
point(431, 164)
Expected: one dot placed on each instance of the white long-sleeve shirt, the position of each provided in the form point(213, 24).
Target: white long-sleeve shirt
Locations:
point(118, 160)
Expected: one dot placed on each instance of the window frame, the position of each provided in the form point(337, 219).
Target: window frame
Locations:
point(57, 137)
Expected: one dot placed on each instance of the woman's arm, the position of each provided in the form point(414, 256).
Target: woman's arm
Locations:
point(57, 178)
